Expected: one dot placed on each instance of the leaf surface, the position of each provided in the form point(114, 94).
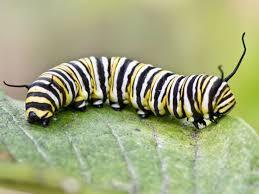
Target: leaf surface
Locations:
point(117, 151)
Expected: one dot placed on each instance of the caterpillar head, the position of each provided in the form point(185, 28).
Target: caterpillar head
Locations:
point(35, 115)
point(220, 100)
point(223, 99)
point(37, 105)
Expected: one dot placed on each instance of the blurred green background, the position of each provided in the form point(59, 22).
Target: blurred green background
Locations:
point(184, 36)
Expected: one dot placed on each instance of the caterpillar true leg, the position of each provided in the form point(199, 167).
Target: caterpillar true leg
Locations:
point(143, 113)
point(117, 106)
point(79, 105)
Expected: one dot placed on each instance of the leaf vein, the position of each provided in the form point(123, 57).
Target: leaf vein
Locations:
point(134, 178)
point(195, 136)
point(162, 160)
point(83, 165)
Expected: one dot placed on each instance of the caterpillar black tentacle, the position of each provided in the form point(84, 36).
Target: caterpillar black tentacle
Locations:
point(221, 72)
point(17, 86)
point(201, 99)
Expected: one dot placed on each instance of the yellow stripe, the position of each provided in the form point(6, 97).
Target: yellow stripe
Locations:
point(65, 68)
point(133, 77)
point(114, 65)
point(88, 65)
point(38, 112)
point(91, 70)
point(224, 93)
point(60, 83)
point(39, 100)
point(179, 107)
point(199, 93)
point(196, 105)
point(167, 94)
point(205, 83)
point(227, 106)
point(220, 105)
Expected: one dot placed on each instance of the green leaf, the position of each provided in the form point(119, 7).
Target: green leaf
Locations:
point(117, 151)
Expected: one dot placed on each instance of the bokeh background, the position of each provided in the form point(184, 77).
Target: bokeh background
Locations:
point(185, 36)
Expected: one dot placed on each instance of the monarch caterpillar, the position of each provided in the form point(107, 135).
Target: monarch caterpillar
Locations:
point(201, 99)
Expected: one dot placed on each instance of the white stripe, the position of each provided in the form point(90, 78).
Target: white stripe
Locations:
point(153, 90)
point(179, 108)
point(194, 90)
point(53, 86)
point(145, 85)
point(205, 102)
point(172, 95)
point(131, 65)
point(219, 92)
point(49, 93)
point(106, 73)
point(83, 68)
point(117, 70)
point(165, 86)
point(99, 91)
point(225, 102)
point(79, 79)
point(68, 77)
point(187, 105)
point(67, 85)
point(134, 89)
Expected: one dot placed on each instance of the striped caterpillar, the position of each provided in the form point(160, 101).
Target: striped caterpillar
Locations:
point(201, 99)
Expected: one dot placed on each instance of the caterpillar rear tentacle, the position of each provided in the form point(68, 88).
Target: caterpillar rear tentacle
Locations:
point(201, 99)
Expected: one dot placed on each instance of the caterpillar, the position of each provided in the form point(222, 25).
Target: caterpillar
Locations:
point(201, 99)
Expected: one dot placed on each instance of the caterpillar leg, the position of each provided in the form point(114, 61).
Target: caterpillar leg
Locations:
point(199, 123)
point(143, 114)
point(97, 103)
point(117, 106)
point(80, 105)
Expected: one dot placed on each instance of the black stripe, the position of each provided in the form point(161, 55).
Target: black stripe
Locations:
point(225, 98)
point(182, 96)
point(169, 93)
point(101, 73)
point(201, 85)
point(228, 108)
point(66, 64)
point(49, 88)
point(58, 71)
point(39, 106)
point(205, 88)
point(196, 92)
point(212, 94)
point(109, 67)
point(149, 82)
point(223, 89)
point(175, 102)
point(83, 76)
point(158, 89)
point(139, 87)
point(60, 88)
point(190, 96)
point(130, 74)
point(120, 78)
point(44, 95)
point(85, 66)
